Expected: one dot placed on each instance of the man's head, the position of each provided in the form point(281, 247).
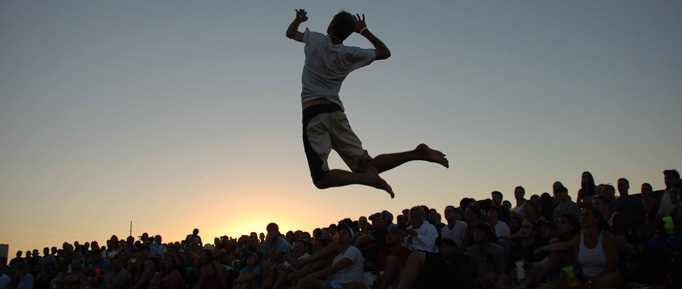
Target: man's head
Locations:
point(273, 231)
point(449, 213)
point(497, 198)
point(394, 236)
point(195, 232)
point(519, 192)
point(602, 203)
point(623, 186)
point(342, 25)
point(417, 216)
point(561, 194)
point(671, 178)
point(483, 233)
point(646, 190)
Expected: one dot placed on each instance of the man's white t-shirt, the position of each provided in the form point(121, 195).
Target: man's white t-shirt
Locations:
point(352, 273)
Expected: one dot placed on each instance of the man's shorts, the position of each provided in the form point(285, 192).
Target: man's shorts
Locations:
point(325, 127)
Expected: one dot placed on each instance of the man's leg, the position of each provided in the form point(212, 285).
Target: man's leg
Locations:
point(422, 152)
point(339, 178)
point(413, 269)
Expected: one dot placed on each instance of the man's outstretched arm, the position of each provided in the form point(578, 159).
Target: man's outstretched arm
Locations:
point(380, 48)
point(292, 31)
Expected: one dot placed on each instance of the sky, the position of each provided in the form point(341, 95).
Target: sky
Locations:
point(175, 115)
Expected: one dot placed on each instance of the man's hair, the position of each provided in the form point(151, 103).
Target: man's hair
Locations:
point(562, 189)
point(522, 189)
point(344, 24)
point(604, 200)
point(674, 173)
point(497, 193)
point(648, 185)
point(624, 180)
point(487, 230)
point(419, 212)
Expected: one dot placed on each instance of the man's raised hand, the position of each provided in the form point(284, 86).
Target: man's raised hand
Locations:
point(360, 23)
point(301, 15)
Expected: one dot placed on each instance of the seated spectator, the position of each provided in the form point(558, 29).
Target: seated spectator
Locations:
point(275, 249)
point(114, 278)
point(211, 275)
point(524, 251)
point(74, 280)
point(279, 276)
point(565, 202)
point(568, 227)
point(346, 268)
point(421, 236)
point(318, 244)
point(391, 260)
point(617, 222)
point(501, 228)
point(449, 268)
point(455, 230)
point(250, 275)
point(473, 215)
point(169, 277)
point(487, 258)
point(596, 251)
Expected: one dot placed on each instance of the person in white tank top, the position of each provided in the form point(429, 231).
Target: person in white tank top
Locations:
point(595, 250)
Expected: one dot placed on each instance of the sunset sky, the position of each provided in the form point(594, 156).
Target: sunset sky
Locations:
point(178, 115)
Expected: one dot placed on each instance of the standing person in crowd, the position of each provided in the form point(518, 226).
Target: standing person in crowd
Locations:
point(565, 202)
point(325, 126)
point(421, 236)
point(346, 268)
point(18, 259)
point(519, 193)
point(455, 230)
point(587, 190)
point(671, 178)
point(595, 250)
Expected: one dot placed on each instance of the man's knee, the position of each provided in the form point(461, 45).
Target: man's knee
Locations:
point(319, 181)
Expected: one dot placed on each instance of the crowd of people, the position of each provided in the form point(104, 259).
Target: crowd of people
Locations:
point(600, 240)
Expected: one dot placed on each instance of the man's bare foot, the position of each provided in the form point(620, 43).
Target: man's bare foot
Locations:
point(432, 155)
point(374, 180)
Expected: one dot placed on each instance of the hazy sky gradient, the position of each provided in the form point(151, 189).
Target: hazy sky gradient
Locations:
point(178, 115)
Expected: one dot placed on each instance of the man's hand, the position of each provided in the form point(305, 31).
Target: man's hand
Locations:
point(301, 15)
point(360, 23)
